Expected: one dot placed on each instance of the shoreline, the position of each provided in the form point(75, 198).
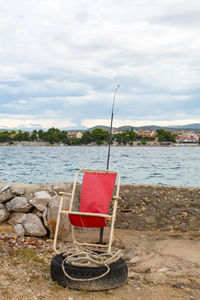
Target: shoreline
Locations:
point(135, 144)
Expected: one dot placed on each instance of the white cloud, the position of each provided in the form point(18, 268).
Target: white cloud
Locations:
point(136, 123)
point(66, 57)
point(22, 101)
point(21, 121)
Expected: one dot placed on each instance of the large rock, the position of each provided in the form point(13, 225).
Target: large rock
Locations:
point(32, 188)
point(50, 218)
point(41, 200)
point(4, 213)
point(18, 204)
point(6, 193)
point(19, 230)
point(18, 189)
point(62, 187)
point(30, 224)
point(17, 218)
point(33, 226)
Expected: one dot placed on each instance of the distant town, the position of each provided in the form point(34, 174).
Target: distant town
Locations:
point(101, 136)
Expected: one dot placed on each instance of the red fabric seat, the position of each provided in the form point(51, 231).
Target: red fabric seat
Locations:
point(96, 195)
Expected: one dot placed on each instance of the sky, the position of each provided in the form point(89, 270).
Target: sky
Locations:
point(61, 60)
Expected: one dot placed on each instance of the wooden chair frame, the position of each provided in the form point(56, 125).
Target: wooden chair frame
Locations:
point(111, 217)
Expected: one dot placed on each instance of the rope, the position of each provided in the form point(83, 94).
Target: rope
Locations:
point(88, 258)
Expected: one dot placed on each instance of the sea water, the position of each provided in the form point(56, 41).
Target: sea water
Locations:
point(178, 166)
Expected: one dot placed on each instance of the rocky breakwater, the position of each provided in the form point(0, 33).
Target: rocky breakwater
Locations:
point(32, 208)
point(156, 207)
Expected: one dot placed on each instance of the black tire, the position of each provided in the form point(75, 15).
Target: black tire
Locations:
point(116, 277)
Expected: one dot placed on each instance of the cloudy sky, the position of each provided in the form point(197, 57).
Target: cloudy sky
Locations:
point(60, 61)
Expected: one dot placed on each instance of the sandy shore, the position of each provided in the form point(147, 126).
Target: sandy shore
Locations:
point(161, 266)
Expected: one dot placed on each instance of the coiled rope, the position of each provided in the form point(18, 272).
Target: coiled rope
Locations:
point(88, 258)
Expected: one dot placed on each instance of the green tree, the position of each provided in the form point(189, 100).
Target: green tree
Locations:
point(63, 137)
point(18, 137)
point(122, 138)
point(125, 138)
point(75, 141)
point(34, 135)
point(41, 134)
point(86, 138)
point(26, 136)
point(99, 136)
point(165, 136)
point(52, 135)
point(4, 137)
point(133, 136)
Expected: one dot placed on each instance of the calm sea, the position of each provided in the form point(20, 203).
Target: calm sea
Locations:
point(179, 166)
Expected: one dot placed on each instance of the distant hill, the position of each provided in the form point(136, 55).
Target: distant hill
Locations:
point(189, 126)
point(99, 127)
point(194, 127)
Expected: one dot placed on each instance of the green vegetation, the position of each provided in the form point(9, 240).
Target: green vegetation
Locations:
point(52, 135)
point(4, 137)
point(143, 142)
point(29, 254)
point(165, 136)
point(97, 136)
point(127, 137)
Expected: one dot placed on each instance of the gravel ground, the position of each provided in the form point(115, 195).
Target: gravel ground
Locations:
point(25, 263)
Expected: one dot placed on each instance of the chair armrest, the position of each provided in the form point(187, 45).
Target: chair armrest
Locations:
point(117, 197)
point(63, 193)
point(78, 213)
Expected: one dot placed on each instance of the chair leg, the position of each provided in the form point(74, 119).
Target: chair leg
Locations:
point(57, 224)
point(101, 236)
point(112, 226)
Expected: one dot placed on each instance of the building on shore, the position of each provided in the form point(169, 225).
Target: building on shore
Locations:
point(185, 136)
point(146, 133)
point(75, 134)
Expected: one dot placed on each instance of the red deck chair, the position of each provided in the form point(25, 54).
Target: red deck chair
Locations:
point(96, 195)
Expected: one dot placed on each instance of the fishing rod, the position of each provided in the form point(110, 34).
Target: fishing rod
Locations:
point(109, 145)
point(111, 124)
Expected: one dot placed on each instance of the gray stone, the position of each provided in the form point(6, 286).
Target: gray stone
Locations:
point(135, 260)
point(44, 215)
point(30, 189)
point(4, 188)
point(39, 213)
point(150, 220)
point(62, 187)
point(18, 204)
point(18, 188)
point(50, 218)
point(33, 226)
point(4, 213)
point(6, 193)
point(17, 218)
point(195, 222)
point(156, 278)
point(19, 230)
point(40, 201)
